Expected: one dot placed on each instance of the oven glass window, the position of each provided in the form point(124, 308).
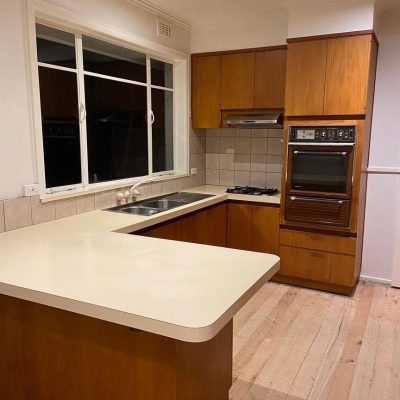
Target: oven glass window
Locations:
point(318, 171)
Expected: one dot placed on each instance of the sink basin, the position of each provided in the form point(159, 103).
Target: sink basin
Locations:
point(159, 204)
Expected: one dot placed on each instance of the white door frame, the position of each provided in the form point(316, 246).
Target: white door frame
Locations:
point(396, 255)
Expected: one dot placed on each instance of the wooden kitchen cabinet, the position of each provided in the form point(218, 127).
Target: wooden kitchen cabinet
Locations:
point(237, 80)
point(329, 76)
point(270, 75)
point(253, 228)
point(206, 91)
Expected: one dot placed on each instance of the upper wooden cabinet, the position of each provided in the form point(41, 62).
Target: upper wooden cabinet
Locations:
point(242, 80)
point(328, 76)
point(270, 74)
point(237, 80)
point(206, 91)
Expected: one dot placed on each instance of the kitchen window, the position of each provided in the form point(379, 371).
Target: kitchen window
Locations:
point(107, 111)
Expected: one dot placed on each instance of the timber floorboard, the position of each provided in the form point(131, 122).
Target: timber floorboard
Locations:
point(295, 344)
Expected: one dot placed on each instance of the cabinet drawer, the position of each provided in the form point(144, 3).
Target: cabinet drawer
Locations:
point(320, 242)
point(337, 269)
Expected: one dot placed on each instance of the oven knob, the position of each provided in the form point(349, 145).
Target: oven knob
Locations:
point(323, 134)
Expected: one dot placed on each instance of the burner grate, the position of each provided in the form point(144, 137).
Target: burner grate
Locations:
point(255, 191)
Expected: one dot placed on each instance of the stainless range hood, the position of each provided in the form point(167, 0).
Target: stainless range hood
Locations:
point(255, 121)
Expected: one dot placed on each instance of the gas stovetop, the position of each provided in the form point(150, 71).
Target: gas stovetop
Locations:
point(255, 191)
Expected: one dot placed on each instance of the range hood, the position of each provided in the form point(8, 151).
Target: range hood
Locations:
point(255, 121)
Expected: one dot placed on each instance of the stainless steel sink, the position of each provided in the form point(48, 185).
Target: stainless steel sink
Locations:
point(159, 204)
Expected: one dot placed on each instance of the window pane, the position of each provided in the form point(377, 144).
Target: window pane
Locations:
point(107, 59)
point(55, 47)
point(61, 140)
point(116, 129)
point(161, 74)
point(163, 154)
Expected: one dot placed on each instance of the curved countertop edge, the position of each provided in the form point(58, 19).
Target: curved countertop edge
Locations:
point(186, 334)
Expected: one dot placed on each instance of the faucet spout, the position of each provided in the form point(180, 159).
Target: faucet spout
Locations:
point(134, 191)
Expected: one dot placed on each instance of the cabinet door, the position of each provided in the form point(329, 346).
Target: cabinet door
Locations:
point(305, 78)
point(239, 228)
point(206, 89)
point(265, 229)
point(347, 75)
point(216, 218)
point(237, 80)
point(192, 228)
point(270, 75)
point(168, 230)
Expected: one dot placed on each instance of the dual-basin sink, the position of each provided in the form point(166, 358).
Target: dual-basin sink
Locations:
point(159, 204)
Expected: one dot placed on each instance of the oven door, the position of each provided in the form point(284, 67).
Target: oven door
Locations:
point(320, 170)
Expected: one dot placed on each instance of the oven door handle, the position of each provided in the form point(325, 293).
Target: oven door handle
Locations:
point(339, 153)
point(336, 144)
point(294, 198)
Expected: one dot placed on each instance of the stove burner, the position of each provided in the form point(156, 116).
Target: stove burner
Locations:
point(252, 191)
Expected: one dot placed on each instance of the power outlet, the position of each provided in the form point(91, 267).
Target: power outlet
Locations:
point(30, 190)
point(193, 171)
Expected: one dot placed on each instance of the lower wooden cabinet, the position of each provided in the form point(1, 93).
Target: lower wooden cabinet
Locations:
point(254, 228)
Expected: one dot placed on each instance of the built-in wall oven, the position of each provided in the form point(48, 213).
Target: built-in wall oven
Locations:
point(319, 174)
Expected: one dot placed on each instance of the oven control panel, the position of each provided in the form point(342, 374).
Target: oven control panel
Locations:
point(320, 133)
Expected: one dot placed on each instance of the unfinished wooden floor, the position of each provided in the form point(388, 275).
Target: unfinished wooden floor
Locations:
point(294, 344)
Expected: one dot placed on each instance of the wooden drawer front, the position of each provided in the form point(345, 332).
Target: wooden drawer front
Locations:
point(317, 211)
point(337, 269)
point(315, 241)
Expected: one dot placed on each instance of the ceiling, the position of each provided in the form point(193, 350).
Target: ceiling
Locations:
point(197, 13)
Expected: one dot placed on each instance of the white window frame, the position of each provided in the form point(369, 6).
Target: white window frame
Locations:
point(59, 18)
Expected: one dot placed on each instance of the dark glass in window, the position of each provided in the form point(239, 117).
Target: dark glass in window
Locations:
point(60, 122)
point(320, 171)
point(161, 74)
point(55, 47)
point(107, 59)
point(116, 129)
point(163, 153)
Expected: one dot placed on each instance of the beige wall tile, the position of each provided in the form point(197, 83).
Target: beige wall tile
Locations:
point(197, 144)
point(259, 133)
point(226, 178)
point(242, 162)
point(243, 145)
point(200, 178)
point(213, 144)
point(242, 178)
point(243, 133)
point(198, 161)
point(274, 164)
point(258, 179)
point(258, 163)
point(177, 185)
point(274, 146)
point(212, 176)
point(105, 200)
point(168, 186)
point(213, 132)
point(65, 208)
point(227, 161)
point(228, 132)
point(187, 182)
point(42, 212)
point(259, 146)
point(274, 180)
point(84, 204)
point(275, 133)
point(199, 132)
point(2, 226)
point(156, 189)
point(228, 145)
point(212, 161)
point(17, 213)
point(145, 190)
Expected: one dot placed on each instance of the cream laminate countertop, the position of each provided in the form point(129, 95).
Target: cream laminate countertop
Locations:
point(88, 264)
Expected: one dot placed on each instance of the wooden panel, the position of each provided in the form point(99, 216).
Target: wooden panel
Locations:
point(239, 230)
point(216, 219)
point(167, 230)
point(305, 78)
point(237, 80)
point(337, 269)
point(192, 228)
point(206, 87)
point(50, 354)
point(270, 76)
point(265, 235)
point(316, 241)
point(347, 75)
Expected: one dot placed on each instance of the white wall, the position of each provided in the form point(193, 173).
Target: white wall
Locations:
point(17, 158)
point(262, 32)
point(381, 223)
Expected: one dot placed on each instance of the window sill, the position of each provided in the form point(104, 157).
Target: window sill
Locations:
point(105, 187)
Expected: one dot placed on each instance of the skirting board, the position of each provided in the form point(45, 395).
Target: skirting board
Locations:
point(373, 279)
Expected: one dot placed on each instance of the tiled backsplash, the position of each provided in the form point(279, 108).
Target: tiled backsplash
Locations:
point(26, 211)
point(244, 157)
